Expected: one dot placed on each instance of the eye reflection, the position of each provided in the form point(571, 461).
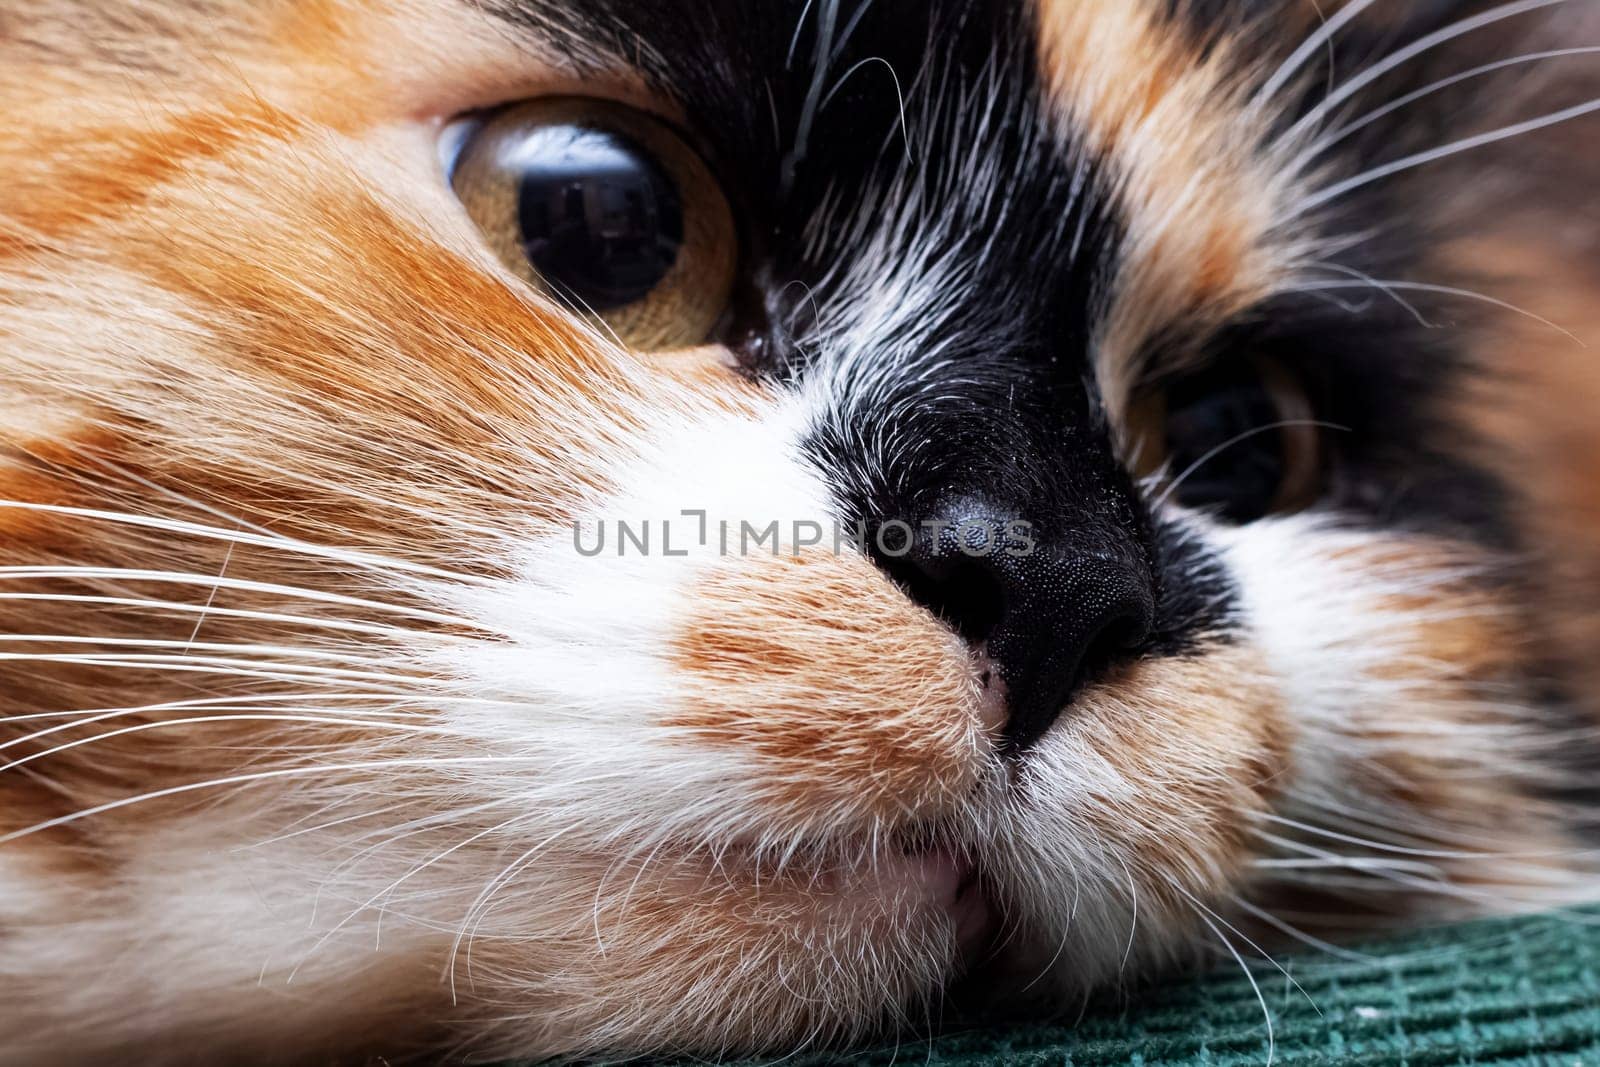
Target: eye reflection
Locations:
point(600, 220)
point(606, 209)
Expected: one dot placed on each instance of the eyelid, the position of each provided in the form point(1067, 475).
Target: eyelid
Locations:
point(455, 131)
point(622, 87)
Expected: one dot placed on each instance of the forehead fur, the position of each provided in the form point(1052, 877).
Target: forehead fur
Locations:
point(1166, 112)
point(1114, 147)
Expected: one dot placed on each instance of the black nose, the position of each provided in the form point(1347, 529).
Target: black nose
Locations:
point(1050, 610)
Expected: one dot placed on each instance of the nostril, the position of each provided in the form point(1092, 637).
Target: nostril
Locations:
point(963, 592)
point(1102, 621)
point(1044, 621)
point(993, 703)
point(1119, 635)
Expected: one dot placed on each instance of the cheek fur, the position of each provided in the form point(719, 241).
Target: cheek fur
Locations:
point(765, 694)
point(1407, 674)
point(640, 955)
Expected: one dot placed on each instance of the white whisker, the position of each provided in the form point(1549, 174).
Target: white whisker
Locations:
point(390, 700)
point(411, 728)
point(302, 831)
point(262, 669)
point(185, 608)
point(355, 557)
point(1266, 1013)
point(479, 905)
point(1299, 935)
point(130, 574)
point(1424, 853)
point(260, 776)
point(233, 711)
point(1376, 283)
point(1404, 55)
point(398, 882)
point(1446, 290)
point(1356, 125)
point(355, 654)
point(1324, 34)
point(1418, 159)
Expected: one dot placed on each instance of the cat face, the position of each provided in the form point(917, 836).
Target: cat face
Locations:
point(542, 528)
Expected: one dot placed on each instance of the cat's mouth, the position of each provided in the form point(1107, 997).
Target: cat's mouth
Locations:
point(951, 882)
point(924, 881)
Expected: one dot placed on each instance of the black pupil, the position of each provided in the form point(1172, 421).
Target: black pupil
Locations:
point(601, 222)
point(1224, 442)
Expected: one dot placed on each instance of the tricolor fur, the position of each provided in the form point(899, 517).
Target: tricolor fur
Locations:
point(317, 737)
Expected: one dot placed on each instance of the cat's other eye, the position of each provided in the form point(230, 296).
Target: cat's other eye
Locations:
point(608, 210)
point(1240, 439)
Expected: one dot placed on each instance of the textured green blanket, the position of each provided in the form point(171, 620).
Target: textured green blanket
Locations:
point(1523, 992)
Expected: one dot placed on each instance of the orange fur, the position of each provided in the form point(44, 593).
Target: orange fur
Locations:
point(852, 698)
point(1169, 120)
point(235, 293)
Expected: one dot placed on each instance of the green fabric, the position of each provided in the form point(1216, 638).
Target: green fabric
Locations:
point(1522, 992)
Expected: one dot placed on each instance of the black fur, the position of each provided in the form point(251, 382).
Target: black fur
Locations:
point(836, 110)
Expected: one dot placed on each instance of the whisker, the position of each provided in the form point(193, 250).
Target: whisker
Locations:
point(212, 596)
point(478, 908)
point(392, 700)
point(234, 711)
point(1376, 283)
point(1417, 825)
point(1416, 48)
point(1192, 469)
point(258, 776)
point(1266, 1013)
point(181, 664)
point(1413, 874)
point(1299, 935)
point(356, 557)
point(1196, 902)
point(1446, 290)
point(186, 608)
point(1416, 865)
point(1356, 125)
point(302, 831)
point(326, 652)
point(124, 731)
point(1313, 43)
point(128, 574)
point(1418, 159)
point(1424, 853)
point(1133, 922)
point(1323, 861)
point(394, 885)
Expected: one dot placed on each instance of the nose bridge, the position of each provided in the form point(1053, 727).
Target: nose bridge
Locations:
point(1027, 536)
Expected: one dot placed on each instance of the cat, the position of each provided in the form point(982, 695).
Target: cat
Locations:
point(555, 528)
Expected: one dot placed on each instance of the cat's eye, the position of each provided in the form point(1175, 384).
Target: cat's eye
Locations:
point(1240, 440)
point(608, 210)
